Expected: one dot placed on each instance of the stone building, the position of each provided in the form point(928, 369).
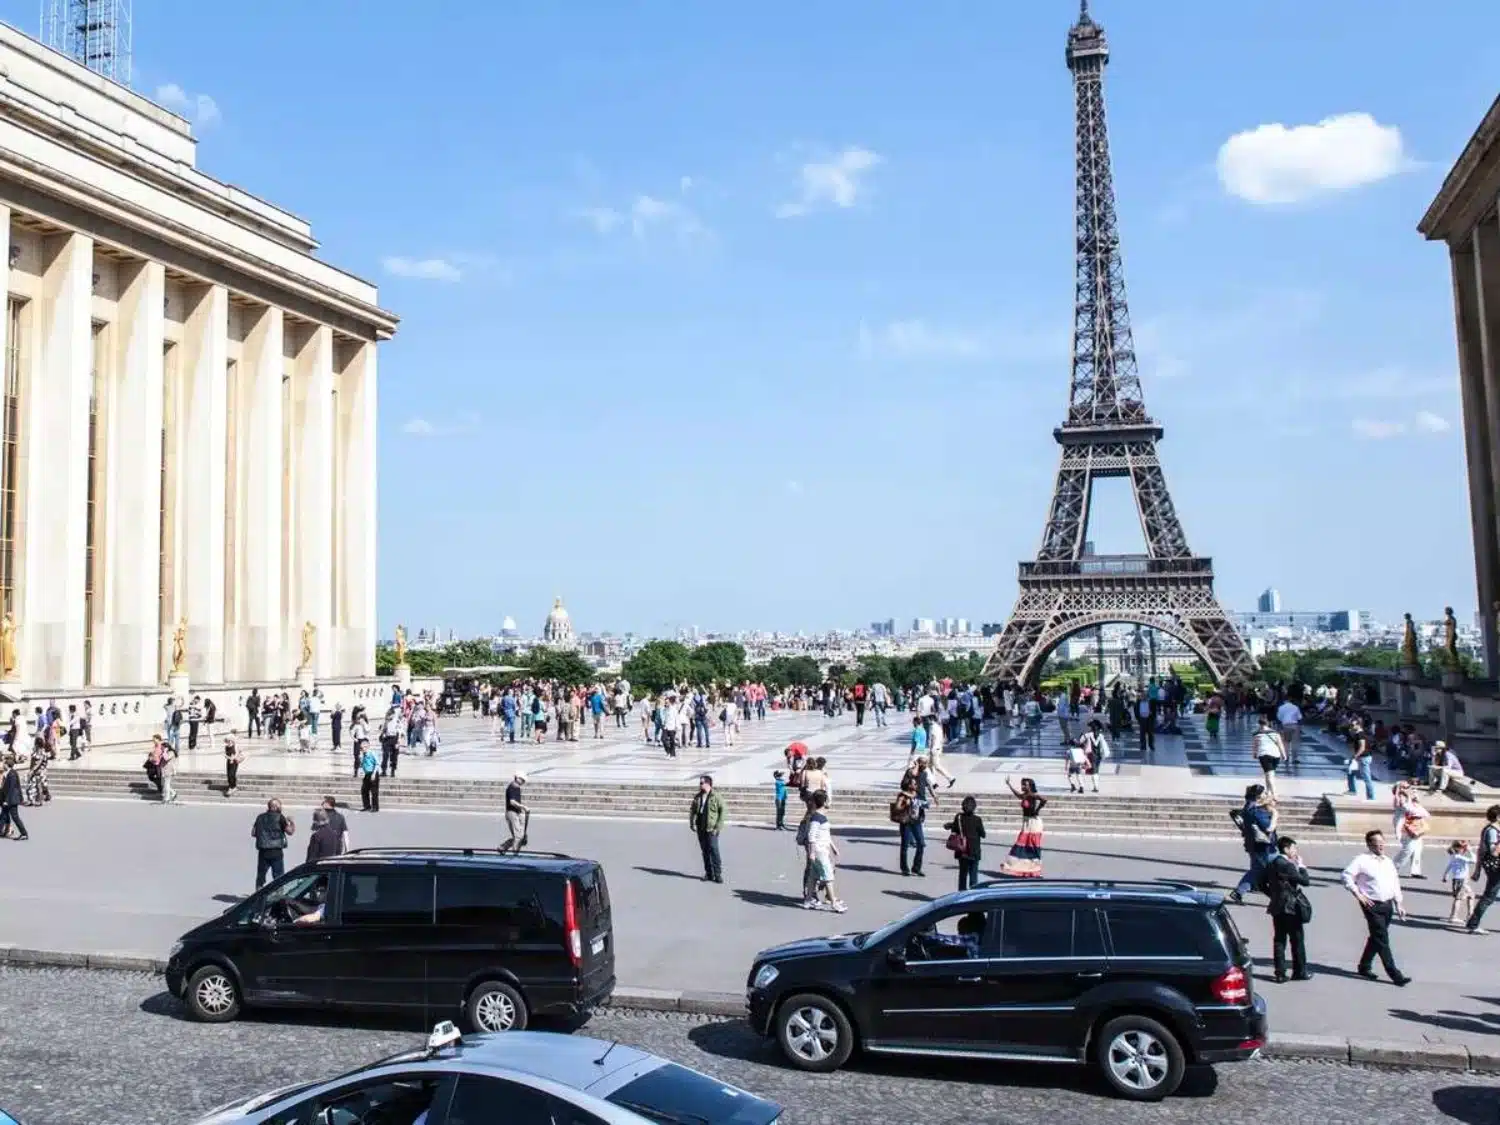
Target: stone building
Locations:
point(1466, 215)
point(187, 426)
point(558, 631)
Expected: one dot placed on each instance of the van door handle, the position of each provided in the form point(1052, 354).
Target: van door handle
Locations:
point(1089, 976)
point(969, 980)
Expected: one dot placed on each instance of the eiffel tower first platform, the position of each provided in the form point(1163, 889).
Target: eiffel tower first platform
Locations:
point(1108, 434)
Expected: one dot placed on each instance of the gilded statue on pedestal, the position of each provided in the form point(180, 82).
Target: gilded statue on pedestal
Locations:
point(8, 662)
point(179, 647)
point(309, 631)
point(1450, 637)
point(400, 645)
point(1409, 644)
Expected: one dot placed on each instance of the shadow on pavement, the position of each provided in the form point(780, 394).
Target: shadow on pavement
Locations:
point(909, 896)
point(670, 874)
point(1471, 1105)
point(733, 1039)
point(1315, 968)
point(1470, 1023)
point(766, 898)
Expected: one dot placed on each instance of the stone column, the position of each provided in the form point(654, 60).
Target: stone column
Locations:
point(1479, 325)
point(55, 432)
point(312, 501)
point(131, 500)
point(258, 568)
point(356, 503)
point(205, 346)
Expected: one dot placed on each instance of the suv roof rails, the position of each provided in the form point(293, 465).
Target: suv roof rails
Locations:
point(1163, 886)
point(422, 850)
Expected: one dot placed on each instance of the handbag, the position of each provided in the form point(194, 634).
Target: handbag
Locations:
point(1303, 906)
point(1414, 826)
point(958, 844)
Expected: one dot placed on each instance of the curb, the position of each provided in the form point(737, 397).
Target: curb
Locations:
point(1385, 1054)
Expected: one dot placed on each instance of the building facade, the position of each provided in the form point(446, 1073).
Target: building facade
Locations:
point(1466, 215)
point(187, 425)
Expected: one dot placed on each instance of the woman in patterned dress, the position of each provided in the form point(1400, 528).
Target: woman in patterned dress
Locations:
point(1025, 860)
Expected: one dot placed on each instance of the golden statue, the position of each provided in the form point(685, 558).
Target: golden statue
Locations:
point(400, 645)
point(179, 647)
point(309, 631)
point(1409, 644)
point(1450, 637)
point(8, 661)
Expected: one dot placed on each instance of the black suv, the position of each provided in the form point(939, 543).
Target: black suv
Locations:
point(1141, 979)
point(440, 931)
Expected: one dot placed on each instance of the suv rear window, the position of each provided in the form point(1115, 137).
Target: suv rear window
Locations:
point(674, 1094)
point(1147, 931)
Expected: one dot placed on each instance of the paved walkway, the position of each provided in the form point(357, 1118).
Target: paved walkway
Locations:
point(1189, 764)
point(124, 877)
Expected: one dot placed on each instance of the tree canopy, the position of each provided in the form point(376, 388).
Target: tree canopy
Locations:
point(660, 665)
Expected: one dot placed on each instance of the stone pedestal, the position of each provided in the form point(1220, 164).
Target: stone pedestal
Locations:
point(1409, 673)
point(10, 690)
point(403, 677)
point(177, 684)
point(1453, 679)
point(306, 680)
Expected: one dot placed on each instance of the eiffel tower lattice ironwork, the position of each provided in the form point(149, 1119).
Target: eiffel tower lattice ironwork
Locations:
point(1108, 434)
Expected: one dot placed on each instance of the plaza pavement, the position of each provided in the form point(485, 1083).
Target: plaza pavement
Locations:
point(129, 878)
point(1186, 765)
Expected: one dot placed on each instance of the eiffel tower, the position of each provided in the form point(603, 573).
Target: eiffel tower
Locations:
point(1108, 434)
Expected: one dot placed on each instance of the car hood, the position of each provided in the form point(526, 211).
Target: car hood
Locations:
point(808, 947)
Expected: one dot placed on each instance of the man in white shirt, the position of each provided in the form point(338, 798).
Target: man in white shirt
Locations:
point(880, 697)
point(1289, 715)
point(1064, 717)
point(1372, 879)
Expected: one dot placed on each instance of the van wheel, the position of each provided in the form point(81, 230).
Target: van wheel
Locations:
point(212, 996)
point(814, 1033)
point(496, 1006)
point(1139, 1058)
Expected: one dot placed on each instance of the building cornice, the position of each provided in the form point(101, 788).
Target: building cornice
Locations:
point(1471, 186)
point(88, 200)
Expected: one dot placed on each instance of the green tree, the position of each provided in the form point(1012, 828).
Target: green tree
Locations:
point(721, 662)
point(877, 670)
point(659, 665)
point(564, 667)
point(468, 654)
point(788, 671)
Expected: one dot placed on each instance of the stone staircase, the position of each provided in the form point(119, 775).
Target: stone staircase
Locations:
point(1305, 818)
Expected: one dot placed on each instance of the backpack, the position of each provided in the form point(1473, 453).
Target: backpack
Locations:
point(700, 708)
point(802, 834)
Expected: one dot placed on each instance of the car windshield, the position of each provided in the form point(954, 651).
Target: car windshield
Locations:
point(890, 929)
point(675, 1095)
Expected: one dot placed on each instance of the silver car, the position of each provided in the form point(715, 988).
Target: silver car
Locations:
point(519, 1077)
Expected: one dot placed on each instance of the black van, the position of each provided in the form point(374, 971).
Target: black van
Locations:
point(439, 931)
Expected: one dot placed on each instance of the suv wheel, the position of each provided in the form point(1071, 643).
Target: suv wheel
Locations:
point(212, 996)
point(814, 1033)
point(496, 1006)
point(1139, 1058)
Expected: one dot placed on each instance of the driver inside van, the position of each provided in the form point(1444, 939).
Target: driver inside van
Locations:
point(935, 945)
point(307, 907)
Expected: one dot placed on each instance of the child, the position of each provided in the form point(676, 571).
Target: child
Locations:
point(1077, 759)
point(780, 780)
point(1460, 866)
point(822, 854)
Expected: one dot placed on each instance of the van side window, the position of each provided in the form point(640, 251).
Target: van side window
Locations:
point(1137, 931)
point(387, 898)
point(497, 901)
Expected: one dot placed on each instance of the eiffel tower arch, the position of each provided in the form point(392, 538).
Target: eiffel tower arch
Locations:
point(1108, 433)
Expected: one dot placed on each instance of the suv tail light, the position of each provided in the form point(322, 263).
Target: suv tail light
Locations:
point(570, 925)
point(1232, 987)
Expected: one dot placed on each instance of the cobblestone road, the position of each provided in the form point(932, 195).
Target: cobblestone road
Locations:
point(89, 1048)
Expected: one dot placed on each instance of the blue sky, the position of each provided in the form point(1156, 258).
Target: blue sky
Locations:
point(757, 316)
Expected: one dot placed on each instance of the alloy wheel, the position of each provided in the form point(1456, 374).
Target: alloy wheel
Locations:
point(1138, 1060)
point(215, 994)
point(495, 1012)
point(812, 1034)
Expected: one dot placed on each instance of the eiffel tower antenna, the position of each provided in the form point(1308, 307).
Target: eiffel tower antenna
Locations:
point(1107, 433)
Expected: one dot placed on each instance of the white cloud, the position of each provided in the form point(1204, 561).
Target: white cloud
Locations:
point(917, 339)
point(685, 184)
point(422, 269)
point(200, 109)
point(602, 219)
point(794, 487)
point(1279, 164)
point(649, 213)
point(1430, 423)
point(464, 423)
point(1377, 430)
point(835, 182)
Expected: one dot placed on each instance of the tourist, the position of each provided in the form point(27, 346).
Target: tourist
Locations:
point(390, 742)
point(906, 812)
point(322, 841)
point(1211, 712)
point(232, 760)
point(253, 725)
point(1487, 863)
point(1412, 827)
point(823, 854)
point(936, 739)
point(194, 720)
point(270, 832)
point(369, 786)
point(517, 815)
point(1445, 767)
point(336, 726)
point(1358, 765)
point(1096, 752)
point(1257, 824)
point(10, 801)
point(706, 818)
point(1289, 908)
point(778, 779)
point(729, 715)
point(596, 709)
point(1289, 717)
point(1372, 879)
point(1266, 748)
point(1145, 710)
point(1025, 860)
point(37, 790)
point(968, 827)
point(1075, 758)
point(1457, 875)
